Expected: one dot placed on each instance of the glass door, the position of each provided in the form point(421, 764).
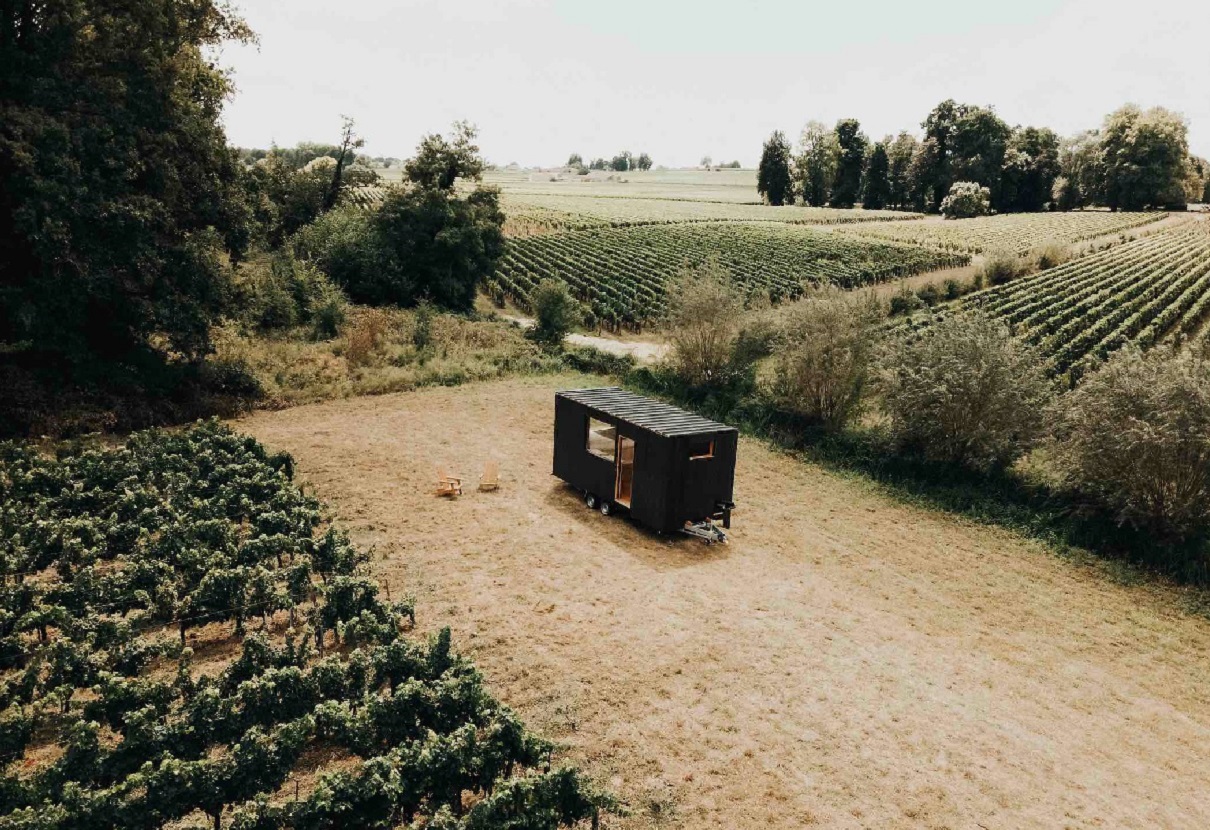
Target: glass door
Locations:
point(625, 476)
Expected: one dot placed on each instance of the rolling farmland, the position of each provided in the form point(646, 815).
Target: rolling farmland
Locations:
point(1145, 292)
point(621, 272)
point(1016, 232)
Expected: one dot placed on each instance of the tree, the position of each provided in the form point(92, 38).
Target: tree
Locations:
point(1134, 435)
point(706, 162)
point(963, 142)
point(899, 155)
point(703, 322)
point(877, 190)
point(965, 392)
point(1031, 165)
point(644, 162)
point(439, 162)
point(966, 200)
point(556, 311)
point(574, 160)
point(622, 162)
point(424, 241)
point(850, 162)
point(118, 192)
point(773, 180)
point(1146, 156)
point(1082, 168)
point(823, 363)
point(349, 142)
point(818, 155)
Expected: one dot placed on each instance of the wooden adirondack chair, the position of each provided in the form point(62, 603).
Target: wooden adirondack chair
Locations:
point(448, 485)
point(490, 480)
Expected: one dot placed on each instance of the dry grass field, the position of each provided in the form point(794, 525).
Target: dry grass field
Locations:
point(846, 661)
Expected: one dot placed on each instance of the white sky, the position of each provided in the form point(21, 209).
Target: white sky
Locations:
point(682, 79)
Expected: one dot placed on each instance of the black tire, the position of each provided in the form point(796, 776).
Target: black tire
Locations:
point(591, 501)
point(606, 507)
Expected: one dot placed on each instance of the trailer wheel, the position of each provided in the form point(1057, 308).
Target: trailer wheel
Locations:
point(591, 501)
point(606, 507)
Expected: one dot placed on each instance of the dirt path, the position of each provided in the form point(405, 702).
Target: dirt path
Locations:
point(847, 661)
point(643, 351)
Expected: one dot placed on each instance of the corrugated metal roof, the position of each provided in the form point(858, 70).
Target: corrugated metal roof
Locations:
point(645, 413)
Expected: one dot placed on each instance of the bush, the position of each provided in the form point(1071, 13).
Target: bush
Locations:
point(905, 301)
point(964, 392)
point(556, 311)
point(1136, 435)
point(953, 289)
point(703, 321)
point(823, 363)
point(966, 200)
point(282, 292)
point(929, 294)
point(1000, 267)
point(419, 243)
point(1048, 255)
point(364, 339)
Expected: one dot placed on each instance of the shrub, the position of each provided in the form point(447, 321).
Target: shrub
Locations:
point(966, 200)
point(364, 338)
point(905, 301)
point(556, 311)
point(1048, 255)
point(1136, 435)
point(964, 392)
point(281, 292)
point(953, 289)
point(823, 362)
point(929, 294)
point(703, 320)
point(1000, 267)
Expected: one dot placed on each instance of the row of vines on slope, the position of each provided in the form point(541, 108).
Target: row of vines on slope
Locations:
point(112, 561)
point(621, 274)
point(1146, 291)
point(1017, 232)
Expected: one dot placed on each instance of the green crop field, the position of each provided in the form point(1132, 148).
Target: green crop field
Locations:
point(1152, 289)
point(1016, 232)
point(621, 272)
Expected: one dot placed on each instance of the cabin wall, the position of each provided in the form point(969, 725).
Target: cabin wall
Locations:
point(572, 461)
point(652, 455)
point(705, 481)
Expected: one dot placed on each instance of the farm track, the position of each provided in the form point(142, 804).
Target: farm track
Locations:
point(848, 661)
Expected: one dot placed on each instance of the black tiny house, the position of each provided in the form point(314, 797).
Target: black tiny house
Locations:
point(668, 467)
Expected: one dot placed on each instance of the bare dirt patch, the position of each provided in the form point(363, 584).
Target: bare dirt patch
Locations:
point(847, 661)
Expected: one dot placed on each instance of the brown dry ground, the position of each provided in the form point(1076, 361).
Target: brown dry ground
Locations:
point(847, 661)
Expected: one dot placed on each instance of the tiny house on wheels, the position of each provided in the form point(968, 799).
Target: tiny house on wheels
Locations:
point(670, 469)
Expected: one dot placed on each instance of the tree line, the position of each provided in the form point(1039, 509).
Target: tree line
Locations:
point(1137, 159)
point(623, 162)
point(129, 226)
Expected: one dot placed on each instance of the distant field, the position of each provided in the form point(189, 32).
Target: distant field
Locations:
point(1145, 291)
point(1011, 232)
point(621, 272)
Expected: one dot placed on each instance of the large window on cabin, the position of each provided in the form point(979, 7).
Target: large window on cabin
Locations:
point(701, 448)
point(601, 439)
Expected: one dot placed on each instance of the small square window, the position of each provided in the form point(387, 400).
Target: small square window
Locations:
point(601, 439)
point(701, 449)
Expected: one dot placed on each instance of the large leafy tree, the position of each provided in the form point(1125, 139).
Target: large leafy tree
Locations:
point(118, 192)
point(1081, 179)
point(899, 157)
point(1031, 165)
point(850, 163)
point(818, 155)
point(965, 143)
point(773, 180)
point(1145, 154)
point(426, 241)
point(876, 193)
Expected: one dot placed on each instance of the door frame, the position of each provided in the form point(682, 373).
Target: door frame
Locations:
point(617, 474)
